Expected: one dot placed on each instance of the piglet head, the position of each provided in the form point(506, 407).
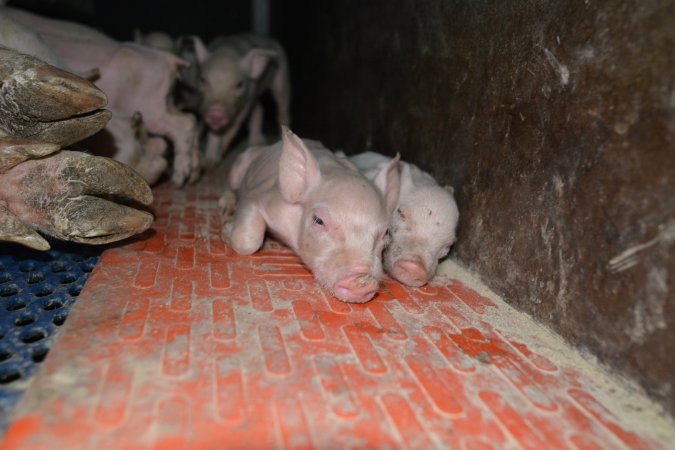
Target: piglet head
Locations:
point(344, 220)
point(422, 231)
point(226, 83)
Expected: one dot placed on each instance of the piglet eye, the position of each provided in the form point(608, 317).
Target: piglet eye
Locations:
point(317, 220)
point(401, 214)
point(239, 85)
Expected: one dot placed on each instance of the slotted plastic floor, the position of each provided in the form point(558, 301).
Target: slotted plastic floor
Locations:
point(37, 289)
point(177, 343)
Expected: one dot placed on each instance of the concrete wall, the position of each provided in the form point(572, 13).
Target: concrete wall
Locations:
point(554, 121)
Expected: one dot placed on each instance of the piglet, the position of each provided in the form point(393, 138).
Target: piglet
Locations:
point(235, 72)
point(423, 226)
point(325, 211)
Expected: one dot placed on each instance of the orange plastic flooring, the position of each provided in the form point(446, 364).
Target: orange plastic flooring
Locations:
point(177, 343)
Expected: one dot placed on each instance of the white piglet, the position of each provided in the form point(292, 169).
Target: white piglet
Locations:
point(327, 212)
point(423, 225)
point(234, 72)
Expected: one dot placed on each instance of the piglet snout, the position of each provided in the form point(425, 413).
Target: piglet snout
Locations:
point(410, 272)
point(216, 117)
point(356, 288)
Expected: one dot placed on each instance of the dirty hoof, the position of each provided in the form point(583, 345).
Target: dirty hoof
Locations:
point(39, 101)
point(14, 150)
point(14, 230)
point(62, 132)
point(77, 197)
point(35, 90)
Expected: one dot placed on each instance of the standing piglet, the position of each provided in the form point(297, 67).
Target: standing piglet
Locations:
point(423, 226)
point(235, 72)
point(329, 214)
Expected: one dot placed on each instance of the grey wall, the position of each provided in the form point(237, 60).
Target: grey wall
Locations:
point(553, 120)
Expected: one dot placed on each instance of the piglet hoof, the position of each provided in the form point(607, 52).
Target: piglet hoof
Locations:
point(75, 197)
point(196, 170)
point(227, 204)
point(184, 170)
point(226, 231)
point(180, 171)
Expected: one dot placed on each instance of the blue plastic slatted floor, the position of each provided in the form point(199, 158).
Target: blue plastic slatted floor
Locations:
point(37, 290)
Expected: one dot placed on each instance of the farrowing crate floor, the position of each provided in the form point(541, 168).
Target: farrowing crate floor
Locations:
point(176, 342)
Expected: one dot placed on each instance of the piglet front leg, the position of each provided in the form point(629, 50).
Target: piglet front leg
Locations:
point(68, 195)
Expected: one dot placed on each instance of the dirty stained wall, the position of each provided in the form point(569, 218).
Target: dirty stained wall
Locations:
point(553, 120)
point(555, 123)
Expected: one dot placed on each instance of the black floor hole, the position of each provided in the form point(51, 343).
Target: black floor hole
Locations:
point(9, 290)
point(35, 277)
point(59, 267)
point(52, 304)
point(59, 319)
point(27, 267)
point(5, 354)
point(44, 291)
point(24, 320)
point(33, 336)
point(39, 354)
point(9, 375)
point(5, 277)
point(15, 304)
point(87, 267)
point(75, 291)
point(67, 278)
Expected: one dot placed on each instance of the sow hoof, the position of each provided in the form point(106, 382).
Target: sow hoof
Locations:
point(39, 101)
point(71, 196)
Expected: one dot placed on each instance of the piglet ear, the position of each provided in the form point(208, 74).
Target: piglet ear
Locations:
point(201, 52)
point(298, 168)
point(255, 62)
point(406, 178)
point(388, 181)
